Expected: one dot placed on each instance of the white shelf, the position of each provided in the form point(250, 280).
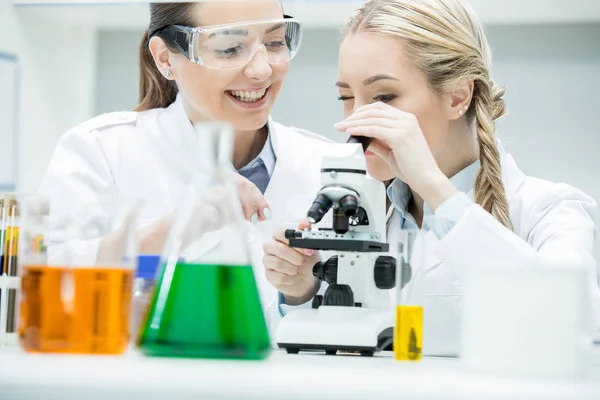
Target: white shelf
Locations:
point(133, 14)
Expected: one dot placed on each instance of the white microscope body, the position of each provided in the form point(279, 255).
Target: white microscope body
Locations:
point(354, 314)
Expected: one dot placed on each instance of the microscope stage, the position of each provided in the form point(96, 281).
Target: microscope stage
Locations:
point(333, 328)
point(362, 246)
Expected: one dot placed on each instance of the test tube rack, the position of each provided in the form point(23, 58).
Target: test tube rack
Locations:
point(8, 283)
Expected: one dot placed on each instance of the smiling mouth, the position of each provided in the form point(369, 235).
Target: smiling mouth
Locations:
point(248, 96)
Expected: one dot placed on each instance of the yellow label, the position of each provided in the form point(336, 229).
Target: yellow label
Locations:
point(408, 333)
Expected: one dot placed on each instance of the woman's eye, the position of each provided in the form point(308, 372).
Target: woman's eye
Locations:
point(229, 52)
point(275, 45)
point(345, 98)
point(385, 98)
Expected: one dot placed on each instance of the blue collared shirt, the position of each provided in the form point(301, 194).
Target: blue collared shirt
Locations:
point(266, 155)
point(265, 160)
point(446, 215)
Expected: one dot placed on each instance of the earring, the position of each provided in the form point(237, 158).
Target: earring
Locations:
point(460, 112)
point(168, 74)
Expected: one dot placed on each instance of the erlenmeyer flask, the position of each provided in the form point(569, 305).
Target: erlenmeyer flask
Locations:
point(206, 302)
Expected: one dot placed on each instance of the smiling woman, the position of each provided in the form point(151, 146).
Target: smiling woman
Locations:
point(223, 61)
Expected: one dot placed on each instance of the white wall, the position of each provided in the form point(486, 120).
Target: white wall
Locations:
point(57, 82)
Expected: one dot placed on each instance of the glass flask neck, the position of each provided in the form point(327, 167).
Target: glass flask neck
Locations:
point(214, 142)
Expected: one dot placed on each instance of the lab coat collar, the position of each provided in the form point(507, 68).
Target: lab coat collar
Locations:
point(399, 194)
point(176, 123)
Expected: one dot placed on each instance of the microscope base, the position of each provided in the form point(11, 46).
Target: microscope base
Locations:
point(334, 328)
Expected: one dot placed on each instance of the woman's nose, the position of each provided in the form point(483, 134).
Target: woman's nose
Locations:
point(258, 67)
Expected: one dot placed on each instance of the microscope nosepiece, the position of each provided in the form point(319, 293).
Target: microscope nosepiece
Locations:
point(349, 205)
point(319, 208)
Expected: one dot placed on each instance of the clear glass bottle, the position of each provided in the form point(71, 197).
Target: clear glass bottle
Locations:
point(206, 303)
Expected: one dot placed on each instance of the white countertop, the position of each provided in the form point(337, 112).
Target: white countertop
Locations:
point(281, 376)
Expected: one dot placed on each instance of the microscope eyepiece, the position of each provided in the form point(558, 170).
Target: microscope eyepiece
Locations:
point(349, 205)
point(319, 208)
point(364, 141)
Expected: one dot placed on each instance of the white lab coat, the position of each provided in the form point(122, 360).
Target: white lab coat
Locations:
point(549, 220)
point(150, 156)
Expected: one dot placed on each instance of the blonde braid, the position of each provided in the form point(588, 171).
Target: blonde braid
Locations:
point(489, 189)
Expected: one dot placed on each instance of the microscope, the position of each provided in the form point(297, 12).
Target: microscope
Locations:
point(354, 314)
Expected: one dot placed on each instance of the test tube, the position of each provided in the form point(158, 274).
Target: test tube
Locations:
point(2, 245)
point(404, 269)
point(10, 258)
point(408, 331)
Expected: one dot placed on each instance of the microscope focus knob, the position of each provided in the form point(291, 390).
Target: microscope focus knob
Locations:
point(385, 272)
point(327, 271)
point(339, 295)
point(318, 271)
point(330, 270)
point(317, 301)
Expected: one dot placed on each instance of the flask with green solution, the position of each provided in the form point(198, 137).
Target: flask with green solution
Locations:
point(206, 302)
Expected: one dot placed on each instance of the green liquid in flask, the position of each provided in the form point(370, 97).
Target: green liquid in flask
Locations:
point(206, 311)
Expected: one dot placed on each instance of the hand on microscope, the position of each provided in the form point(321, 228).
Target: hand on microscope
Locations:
point(290, 270)
point(399, 141)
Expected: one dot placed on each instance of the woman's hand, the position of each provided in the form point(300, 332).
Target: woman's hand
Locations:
point(399, 141)
point(289, 269)
point(253, 202)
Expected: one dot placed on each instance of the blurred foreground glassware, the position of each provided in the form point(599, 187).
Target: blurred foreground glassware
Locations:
point(206, 303)
point(408, 332)
point(76, 270)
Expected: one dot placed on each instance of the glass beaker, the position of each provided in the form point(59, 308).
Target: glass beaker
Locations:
point(408, 331)
point(76, 276)
point(206, 303)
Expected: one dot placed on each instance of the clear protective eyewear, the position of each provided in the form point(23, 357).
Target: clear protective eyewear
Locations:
point(232, 46)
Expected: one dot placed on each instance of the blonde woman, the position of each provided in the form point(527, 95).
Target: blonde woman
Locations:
point(414, 75)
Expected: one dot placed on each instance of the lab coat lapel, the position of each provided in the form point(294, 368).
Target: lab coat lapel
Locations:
point(294, 182)
point(423, 257)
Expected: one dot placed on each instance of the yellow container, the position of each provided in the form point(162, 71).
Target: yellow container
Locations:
point(408, 333)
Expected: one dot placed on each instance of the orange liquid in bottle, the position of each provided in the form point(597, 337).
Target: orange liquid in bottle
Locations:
point(75, 310)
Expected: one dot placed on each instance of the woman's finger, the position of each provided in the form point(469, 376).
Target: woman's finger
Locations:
point(279, 236)
point(380, 149)
point(383, 122)
point(259, 202)
point(284, 252)
point(278, 279)
point(277, 264)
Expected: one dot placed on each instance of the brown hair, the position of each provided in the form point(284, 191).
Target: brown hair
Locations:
point(155, 90)
point(445, 40)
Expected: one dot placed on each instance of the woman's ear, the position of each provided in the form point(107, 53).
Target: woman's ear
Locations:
point(459, 100)
point(161, 55)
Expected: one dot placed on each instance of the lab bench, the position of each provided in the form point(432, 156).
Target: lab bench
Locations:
point(281, 376)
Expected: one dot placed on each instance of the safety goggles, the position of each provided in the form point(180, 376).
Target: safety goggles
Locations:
point(232, 46)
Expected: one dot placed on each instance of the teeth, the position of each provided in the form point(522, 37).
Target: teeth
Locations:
point(248, 96)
